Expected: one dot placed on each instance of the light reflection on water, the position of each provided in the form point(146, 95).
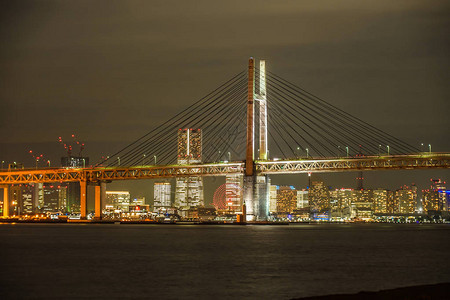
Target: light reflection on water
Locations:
point(199, 261)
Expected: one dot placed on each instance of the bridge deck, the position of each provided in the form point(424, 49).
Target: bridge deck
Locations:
point(420, 161)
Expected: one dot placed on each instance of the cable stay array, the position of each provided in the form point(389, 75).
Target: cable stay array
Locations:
point(221, 117)
point(300, 125)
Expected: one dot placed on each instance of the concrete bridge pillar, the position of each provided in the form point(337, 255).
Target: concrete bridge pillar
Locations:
point(83, 199)
point(5, 201)
point(100, 196)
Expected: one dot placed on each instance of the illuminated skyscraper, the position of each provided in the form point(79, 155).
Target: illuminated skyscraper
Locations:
point(117, 201)
point(189, 146)
point(286, 199)
point(189, 190)
point(341, 202)
point(319, 197)
point(55, 198)
point(15, 196)
point(380, 201)
point(435, 198)
point(26, 205)
point(162, 197)
point(273, 198)
point(73, 188)
point(407, 199)
point(362, 204)
point(302, 199)
point(392, 202)
point(233, 192)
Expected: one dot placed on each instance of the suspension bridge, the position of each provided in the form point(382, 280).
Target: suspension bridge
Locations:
point(239, 120)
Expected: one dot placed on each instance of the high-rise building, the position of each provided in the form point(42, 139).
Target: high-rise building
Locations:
point(15, 197)
point(392, 203)
point(362, 204)
point(380, 201)
point(233, 192)
point(55, 198)
point(26, 205)
point(435, 198)
point(319, 197)
point(189, 146)
point(341, 202)
point(73, 188)
point(407, 199)
point(38, 197)
point(117, 201)
point(162, 198)
point(286, 199)
point(273, 198)
point(302, 199)
point(189, 190)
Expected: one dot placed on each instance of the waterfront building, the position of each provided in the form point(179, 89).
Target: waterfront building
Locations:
point(273, 198)
point(117, 201)
point(286, 199)
point(380, 200)
point(362, 204)
point(15, 196)
point(26, 205)
point(435, 198)
point(319, 197)
point(302, 199)
point(162, 197)
point(233, 192)
point(138, 201)
point(55, 198)
point(392, 203)
point(341, 202)
point(189, 190)
point(38, 197)
point(407, 199)
point(73, 188)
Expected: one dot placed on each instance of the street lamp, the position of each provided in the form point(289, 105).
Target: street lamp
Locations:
point(229, 156)
point(154, 156)
point(307, 152)
point(84, 162)
point(298, 151)
point(346, 149)
point(429, 147)
point(48, 163)
point(118, 158)
point(3, 163)
point(143, 159)
point(388, 149)
point(421, 147)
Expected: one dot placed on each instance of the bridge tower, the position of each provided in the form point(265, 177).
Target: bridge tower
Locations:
point(256, 196)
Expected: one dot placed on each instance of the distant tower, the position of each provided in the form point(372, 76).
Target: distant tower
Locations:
point(233, 184)
point(360, 181)
point(189, 190)
point(162, 195)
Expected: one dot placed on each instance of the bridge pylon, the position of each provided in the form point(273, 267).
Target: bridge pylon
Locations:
point(256, 187)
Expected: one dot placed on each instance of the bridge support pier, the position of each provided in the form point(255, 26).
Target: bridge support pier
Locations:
point(83, 199)
point(100, 196)
point(256, 197)
point(5, 201)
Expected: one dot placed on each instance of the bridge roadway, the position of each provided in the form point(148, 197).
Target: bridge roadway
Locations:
point(405, 162)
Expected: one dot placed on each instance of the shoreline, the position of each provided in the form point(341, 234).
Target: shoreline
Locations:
point(417, 292)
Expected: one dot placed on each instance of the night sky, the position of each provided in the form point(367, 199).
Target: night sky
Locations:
point(109, 71)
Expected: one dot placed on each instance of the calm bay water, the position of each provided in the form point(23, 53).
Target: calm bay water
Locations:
point(225, 262)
